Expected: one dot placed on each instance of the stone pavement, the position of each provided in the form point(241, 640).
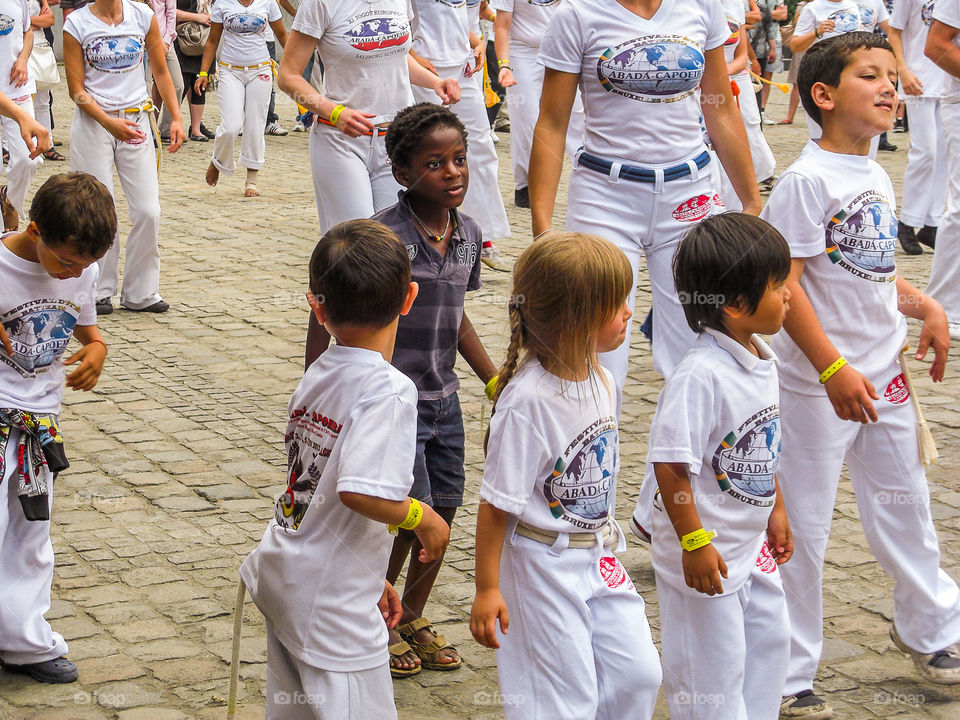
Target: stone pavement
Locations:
point(177, 457)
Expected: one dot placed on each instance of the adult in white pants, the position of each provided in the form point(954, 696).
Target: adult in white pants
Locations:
point(166, 13)
point(246, 81)
point(40, 18)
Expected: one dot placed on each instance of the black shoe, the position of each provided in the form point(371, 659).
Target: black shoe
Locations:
point(767, 185)
point(198, 138)
point(887, 147)
point(204, 130)
point(521, 197)
point(908, 240)
point(104, 307)
point(927, 235)
point(159, 306)
point(58, 670)
point(899, 125)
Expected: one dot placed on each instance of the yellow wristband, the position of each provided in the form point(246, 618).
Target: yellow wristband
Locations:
point(414, 516)
point(501, 62)
point(697, 539)
point(491, 387)
point(832, 370)
point(202, 73)
point(335, 115)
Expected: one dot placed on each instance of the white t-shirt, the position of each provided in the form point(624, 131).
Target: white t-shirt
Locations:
point(638, 78)
point(244, 38)
point(735, 15)
point(364, 47)
point(530, 20)
point(719, 414)
point(914, 18)
point(839, 213)
point(872, 13)
point(441, 31)
point(34, 7)
point(554, 451)
point(318, 571)
point(39, 313)
point(14, 22)
point(473, 11)
point(113, 54)
point(948, 12)
point(845, 15)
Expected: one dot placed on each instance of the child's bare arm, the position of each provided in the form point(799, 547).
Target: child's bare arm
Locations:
point(779, 535)
point(90, 357)
point(850, 392)
point(469, 345)
point(703, 567)
point(488, 605)
point(934, 333)
point(433, 532)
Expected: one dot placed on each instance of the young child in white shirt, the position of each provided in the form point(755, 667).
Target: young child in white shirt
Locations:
point(350, 443)
point(719, 529)
point(846, 326)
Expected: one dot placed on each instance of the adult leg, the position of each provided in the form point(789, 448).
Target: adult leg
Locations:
point(271, 109)
point(341, 182)
point(524, 102)
point(259, 84)
point(173, 65)
point(764, 163)
point(923, 180)
point(231, 91)
point(21, 168)
point(945, 269)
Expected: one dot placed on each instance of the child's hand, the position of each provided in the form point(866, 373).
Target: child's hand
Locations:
point(506, 77)
point(488, 607)
point(702, 569)
point(390, 605)
point(936, 334)
point(851, 394)
point(434, 534)
point(90, 357)
point(779, 535)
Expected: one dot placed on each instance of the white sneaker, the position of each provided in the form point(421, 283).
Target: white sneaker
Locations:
point(941, 667)
point(767, 121)
point(299, 127)
point(490, 257)
point(639, 530)
point(275, 128)
point(493, 136)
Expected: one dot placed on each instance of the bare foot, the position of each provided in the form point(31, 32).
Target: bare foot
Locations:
point(404, 662)
point(213, 175)
point(251, 191)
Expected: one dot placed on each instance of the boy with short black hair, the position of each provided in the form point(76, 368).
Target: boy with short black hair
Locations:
point(317, 574)
point(719, 529)
point(47, 294)
point(843, 392)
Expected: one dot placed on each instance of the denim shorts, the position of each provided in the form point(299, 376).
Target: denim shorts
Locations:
point(438, 476)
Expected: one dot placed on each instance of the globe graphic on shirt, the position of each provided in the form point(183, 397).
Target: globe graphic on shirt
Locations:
point(245, 23)
point(655, 68)
point(864, 237)
point(377, 33)
point(926, 12)
point(114, 53)
point(6, 24)
point(579, 488)
point(746, 460)
point(39, 337)
point(845, 21)
point(867, 17)
point(543, 3)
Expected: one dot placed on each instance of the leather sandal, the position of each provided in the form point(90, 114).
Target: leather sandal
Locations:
point(428, 652)
point(397, 650)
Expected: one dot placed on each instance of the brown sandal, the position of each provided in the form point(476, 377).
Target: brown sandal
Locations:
point(397, 650)
point(428, 652)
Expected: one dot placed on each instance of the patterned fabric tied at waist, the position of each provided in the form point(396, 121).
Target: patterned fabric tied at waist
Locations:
point(39, 457)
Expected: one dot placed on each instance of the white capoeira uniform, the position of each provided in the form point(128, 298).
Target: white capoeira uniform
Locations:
point(530, 21)
point(441, 35)
point(724, 656)
point(849, 280)
point(246, 80)
point(113, 77)
point(579, 645)
point(364, 47)
point(21, 168)
point(924, 180)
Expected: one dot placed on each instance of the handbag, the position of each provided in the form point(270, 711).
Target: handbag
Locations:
point(192, 36)
point(42, 66)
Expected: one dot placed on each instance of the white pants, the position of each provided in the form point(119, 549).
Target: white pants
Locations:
point(894, 506)
point(244, 97)
point(944, 283)
point(26, 574)
point(764, 163)
point(924, 180)
point(21, 169)
point(95, 151)
point(523, 100)
point(298, 691)
point(578, 646)
point(173, 66)
point(816, 132)
point(483, 201)
point(724, 658)
point(351, 176)
point(41, 108)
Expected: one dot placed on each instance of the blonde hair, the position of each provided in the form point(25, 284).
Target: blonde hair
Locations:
point(566, 286)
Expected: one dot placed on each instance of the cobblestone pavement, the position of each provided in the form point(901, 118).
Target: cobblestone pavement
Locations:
point(177, 457)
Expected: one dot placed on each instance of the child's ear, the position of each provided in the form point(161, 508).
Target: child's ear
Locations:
point(319, 311)
point(401, 175)
point(412, 293)
point(736, 311)
point(822, 95)
point(33, 232)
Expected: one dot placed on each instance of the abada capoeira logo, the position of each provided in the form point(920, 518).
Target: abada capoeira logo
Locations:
point(655, 68)
point(245, 23)
point(845, 21)
point(926, 12)
point(38, 336)
point(6, 25)
point(377, 33)
point(734, 31)
point(580, 488)
point(114, 54)
point(867, 16)
point(746, 460)
point(862, 238)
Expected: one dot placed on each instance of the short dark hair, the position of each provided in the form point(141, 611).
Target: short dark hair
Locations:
point(411, 124)
point(77, 211)
point(825, 62)
point(725, 260)
point(360, 271)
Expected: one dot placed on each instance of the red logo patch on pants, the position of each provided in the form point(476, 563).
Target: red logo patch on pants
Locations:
point(694, 209)
point(614, 574)
point(264, 76)
point(765, 560)
point(896, 392)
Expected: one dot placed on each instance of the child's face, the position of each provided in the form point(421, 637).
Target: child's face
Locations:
point(768, 318)
point(437, 173)
point(865, 101)
point(614, 331)
point(62, 261)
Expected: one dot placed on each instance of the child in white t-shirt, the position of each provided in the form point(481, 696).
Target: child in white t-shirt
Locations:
point(350, 443)
point(846, 326)
point(578, 645)
point(719, 529)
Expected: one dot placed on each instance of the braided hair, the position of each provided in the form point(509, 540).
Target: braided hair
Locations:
point(411, 125)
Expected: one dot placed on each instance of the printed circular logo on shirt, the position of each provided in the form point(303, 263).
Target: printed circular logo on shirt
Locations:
point(867, 17)
point(377, 33)
point(747, 458)
point(244, 23)
point(39, 332)
point(542, 3)
point(580, 488)
point(766, 561)
point(114, 54)
point(734, 31)
point(453, 3)
point(6, 24)
point(926, 12)
point(862, 238)
point(897, 392)
point(654, 68)
point(845, 21)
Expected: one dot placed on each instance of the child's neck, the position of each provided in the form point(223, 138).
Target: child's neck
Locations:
point(743, 335)
point(557, 367)
point(837, 139)
point(381, 340)
point(433, 215)
point(20, 244)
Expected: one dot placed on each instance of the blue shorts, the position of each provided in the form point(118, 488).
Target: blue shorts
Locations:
point(438, 476)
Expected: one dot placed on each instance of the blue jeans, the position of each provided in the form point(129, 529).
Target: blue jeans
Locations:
point(438, 476)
